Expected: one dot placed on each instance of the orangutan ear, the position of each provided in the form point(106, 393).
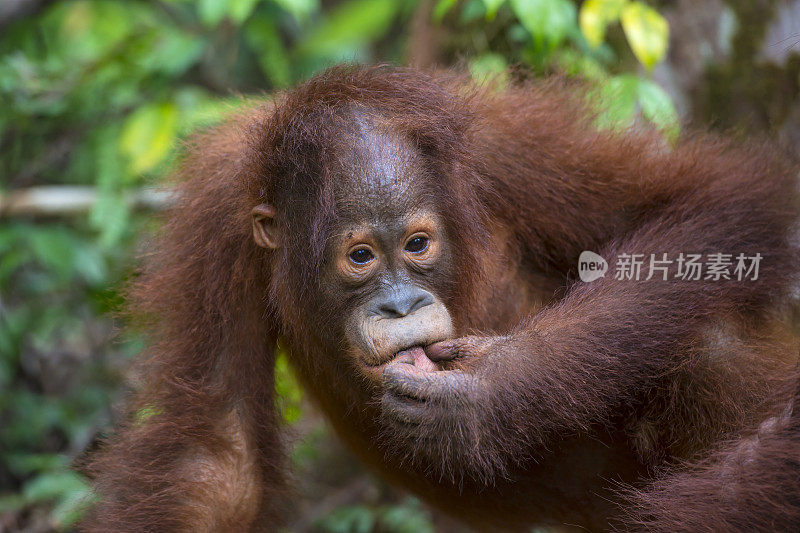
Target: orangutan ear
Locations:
point(265, 229)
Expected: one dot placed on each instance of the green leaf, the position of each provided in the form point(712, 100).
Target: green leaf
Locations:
point(349, 26)
point(111, 215)
point(406, 517)
point(349, 519)
point(86, 31)
point(53, 249)
point(596, 15)
point(23, 464)
point(619, 99)
point(147, 135)
point(300, 9)
point(13, 328)
point(263, 37)
point(657, 107)
point(71, 508)
point(239, 10)
point(491, 7)
point(90, 264)
point(11, 261)
point(472, 11)
point(490, 68)
point(441, 9)
point(575, 63)
point(199, 108)
point(53, 485)
point(616, 101)
point(172, 52)
point(287, 389)
point(647, 32)
point(211, 12)
point(548, 21)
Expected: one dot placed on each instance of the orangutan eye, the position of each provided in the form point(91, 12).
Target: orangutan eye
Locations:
point(361, 256)
point(417, 245)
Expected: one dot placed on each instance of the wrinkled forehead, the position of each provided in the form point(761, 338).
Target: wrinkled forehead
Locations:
point(380, 174)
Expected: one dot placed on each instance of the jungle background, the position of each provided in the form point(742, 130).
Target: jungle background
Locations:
point(96, 95)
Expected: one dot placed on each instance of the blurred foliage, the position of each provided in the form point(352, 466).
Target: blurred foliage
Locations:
point(98, 92)
point(406, 517)
point(548, 36)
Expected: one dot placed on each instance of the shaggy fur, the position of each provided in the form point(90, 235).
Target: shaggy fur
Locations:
point(750, 484)
point(566, 390)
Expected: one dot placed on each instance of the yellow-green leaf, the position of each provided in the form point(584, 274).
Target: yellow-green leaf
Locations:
point(647, 32)
point(148, 134)
point(491, 7)
point(239, 10)
point(596, 15)
point(615, 101)
point(490, 68)
point(575, 63)
point(441, 9)
point(300, 9)
point(289, 394)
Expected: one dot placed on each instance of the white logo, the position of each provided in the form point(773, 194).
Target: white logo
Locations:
point(591, 266)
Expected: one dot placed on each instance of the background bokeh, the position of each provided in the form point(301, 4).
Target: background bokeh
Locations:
point(95, 96)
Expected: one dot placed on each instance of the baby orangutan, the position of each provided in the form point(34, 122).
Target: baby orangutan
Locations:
point(413, 242)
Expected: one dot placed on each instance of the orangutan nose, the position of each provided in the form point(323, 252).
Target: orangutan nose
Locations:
point(403, 301)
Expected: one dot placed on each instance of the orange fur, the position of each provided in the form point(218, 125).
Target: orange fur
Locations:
point(591, 385)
